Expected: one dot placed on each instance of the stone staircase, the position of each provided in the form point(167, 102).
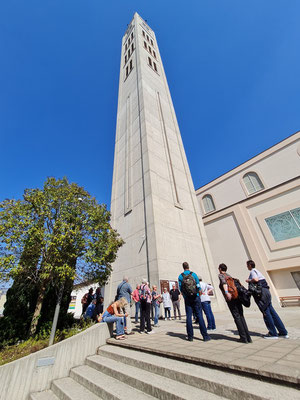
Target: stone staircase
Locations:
point(119, 373)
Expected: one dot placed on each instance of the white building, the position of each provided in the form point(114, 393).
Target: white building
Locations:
point(253, 212)
point(77, 294)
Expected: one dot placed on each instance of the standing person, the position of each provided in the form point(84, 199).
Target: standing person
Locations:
point(175, 297)
point(189, 286)
point(264, 302)
point(86, 300)
point(234, 304)
point(166, 298)
point(114, 314)
point(97, 294)
point(155, 304)
point(145, 299)
point(124, 290)
point(206, 305)
point(136, 299)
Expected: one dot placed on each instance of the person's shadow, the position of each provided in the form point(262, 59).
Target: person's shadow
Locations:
point(251, 333)
point(214, 336)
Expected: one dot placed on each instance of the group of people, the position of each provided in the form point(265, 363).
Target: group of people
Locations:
point(196, 295)
point(92, 304)
point(166, 298)
point(259, 289)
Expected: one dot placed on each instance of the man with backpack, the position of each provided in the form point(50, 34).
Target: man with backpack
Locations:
point(261, 292)
point(189, 286)
point(230, 293)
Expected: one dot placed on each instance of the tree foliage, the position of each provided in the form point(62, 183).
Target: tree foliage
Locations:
point(55, 235)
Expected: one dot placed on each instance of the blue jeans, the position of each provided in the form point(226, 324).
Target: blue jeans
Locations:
point(194, 305)
point(137, 310)
point(107, 317)
point(156, 312)
point(209, 315)
point(273, 321)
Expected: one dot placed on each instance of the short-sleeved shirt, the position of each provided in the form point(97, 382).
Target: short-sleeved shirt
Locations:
point(124, 290)
point(180, 279)
point(174, 293)
point(204, 289)
point(147, 291)
point(223, 281)
point(154, 301)
point(254, 273)
point(166, 299)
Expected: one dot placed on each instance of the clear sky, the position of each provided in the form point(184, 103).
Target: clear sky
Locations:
point(232, 67)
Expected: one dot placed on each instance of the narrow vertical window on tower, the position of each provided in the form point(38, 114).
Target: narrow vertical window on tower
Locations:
point(128, 54)
point(151, 42)
point(126, 71)
point(154, 65)
point(145, 45)
point(125, 58)
point(147, 38)
point(131, 35)
point(154, 53)
point(130, 65)
point(143, 33)
point(149, 61)
point(126, 47)
point(132, 48)
point(149, 48)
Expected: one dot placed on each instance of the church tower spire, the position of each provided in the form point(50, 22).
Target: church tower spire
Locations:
point(153, 204)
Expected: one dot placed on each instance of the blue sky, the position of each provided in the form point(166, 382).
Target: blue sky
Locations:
point(232, 68)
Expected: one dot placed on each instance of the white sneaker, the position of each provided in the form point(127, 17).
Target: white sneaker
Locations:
point(165, 319)
point(150, 333)
point(268, 336)
point(283, 336)
point(170, 319)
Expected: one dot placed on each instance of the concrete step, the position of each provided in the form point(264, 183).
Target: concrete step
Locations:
point(226, 384)
point(107, 387)
point(69, 389)
point(46, 395)
point(155, 385)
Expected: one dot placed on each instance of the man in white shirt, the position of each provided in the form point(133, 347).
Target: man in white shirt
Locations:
point(264, 302)
point(206, 305)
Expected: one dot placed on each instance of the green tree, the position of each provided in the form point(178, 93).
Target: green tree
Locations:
point(55, 235)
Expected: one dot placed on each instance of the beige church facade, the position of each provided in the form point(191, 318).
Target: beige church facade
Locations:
point(253, 212)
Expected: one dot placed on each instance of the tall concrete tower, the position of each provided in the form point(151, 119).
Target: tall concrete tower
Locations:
point(153, 204)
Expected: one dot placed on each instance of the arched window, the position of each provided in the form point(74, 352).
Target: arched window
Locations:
point(252, 182)
point(208, 203)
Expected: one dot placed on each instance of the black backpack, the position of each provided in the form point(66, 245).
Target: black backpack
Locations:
point(244, 294)
point(189, 285)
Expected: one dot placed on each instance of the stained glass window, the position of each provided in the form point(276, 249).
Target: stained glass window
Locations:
point(285, 225)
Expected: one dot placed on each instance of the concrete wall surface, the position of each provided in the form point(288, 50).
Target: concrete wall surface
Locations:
point(35, 372)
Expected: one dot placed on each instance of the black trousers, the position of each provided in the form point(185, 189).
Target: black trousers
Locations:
point(145, 316)
point(236, 309)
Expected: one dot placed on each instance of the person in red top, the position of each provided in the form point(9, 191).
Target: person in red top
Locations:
point(136, 299)
point(114, 314)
